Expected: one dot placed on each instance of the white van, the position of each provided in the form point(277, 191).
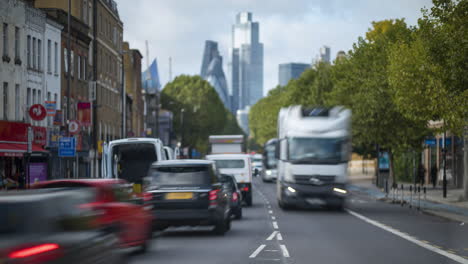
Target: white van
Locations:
point(240, 166)
point(131, 158)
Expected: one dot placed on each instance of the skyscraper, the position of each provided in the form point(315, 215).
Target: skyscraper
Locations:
point(212, 71)
point(288, 71)
point(246, 63)
point(325, 54)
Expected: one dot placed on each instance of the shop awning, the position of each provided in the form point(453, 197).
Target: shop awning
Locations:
point(14, 149)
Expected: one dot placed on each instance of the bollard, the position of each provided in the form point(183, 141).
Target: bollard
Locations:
point(419, 197)
point(424, 191)
point(411, 196)
point(402, 195)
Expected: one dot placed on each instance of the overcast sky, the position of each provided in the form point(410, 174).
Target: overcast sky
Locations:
point(291, 30)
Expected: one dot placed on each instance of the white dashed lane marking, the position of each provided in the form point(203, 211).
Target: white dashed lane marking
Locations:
point(275, 225)
point(272, 235)
point(285, 251)
point(257, 251)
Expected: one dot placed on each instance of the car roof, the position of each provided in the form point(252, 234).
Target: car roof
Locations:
point(182, 162)
point(228, 156)
point(88, 182)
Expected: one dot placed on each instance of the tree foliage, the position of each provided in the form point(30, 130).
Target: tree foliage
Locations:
point(197, 110)
point(395, 80)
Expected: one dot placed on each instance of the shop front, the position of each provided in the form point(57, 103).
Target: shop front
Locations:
point(15, 160)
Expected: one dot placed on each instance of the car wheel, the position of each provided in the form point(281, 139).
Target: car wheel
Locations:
point(221, 227)
point(282, 205)
point(238, 213)
point(248, 199)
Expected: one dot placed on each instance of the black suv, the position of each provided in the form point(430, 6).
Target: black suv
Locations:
point(187, 193)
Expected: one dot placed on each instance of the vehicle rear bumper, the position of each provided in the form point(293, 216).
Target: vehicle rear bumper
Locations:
point(180, 217)
point(312, 195)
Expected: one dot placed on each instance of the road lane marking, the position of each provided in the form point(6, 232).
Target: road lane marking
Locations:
point(279, 236)
point(439, 251)
point(285, 251)
point(275, 225)
point(270, 212)
point(271, 250)
point(273, 218)
point(272, 235)
point(257, 251)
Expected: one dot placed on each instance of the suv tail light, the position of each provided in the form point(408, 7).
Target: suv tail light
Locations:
point(235, 196)
point(245, 189)
point(213, 196)
point(147, 197)
point(33, 251)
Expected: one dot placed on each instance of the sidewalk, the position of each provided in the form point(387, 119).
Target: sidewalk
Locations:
point(452, 207)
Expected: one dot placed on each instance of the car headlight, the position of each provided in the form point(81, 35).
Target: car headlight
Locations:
point(339, 190)
point(269, 172)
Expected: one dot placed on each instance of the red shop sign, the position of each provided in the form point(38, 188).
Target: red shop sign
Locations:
point(40, 135)
point(37, 112)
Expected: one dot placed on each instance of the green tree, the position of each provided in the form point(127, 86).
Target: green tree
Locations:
point(428, 76)
point(198, 111)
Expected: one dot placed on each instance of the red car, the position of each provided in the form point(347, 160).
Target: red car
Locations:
point(117, 206)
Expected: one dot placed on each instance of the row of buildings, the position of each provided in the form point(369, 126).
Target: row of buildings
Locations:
point(79, 68)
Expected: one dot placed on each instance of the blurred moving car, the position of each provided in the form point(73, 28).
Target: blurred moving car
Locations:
point(240, 166)
point(51, 227)
point(234, 194)
point(113, 198)
point(269, 172)
point(187, 192)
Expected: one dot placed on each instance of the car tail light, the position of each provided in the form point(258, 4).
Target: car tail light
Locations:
point(213, 196)
point(33, 251)
point(245, 189)
point(147, 197)
point(235, 196)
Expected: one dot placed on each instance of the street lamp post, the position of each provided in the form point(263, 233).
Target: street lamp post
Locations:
point(182, 127)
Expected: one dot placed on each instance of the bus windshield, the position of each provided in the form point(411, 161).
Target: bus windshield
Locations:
point(131, 161)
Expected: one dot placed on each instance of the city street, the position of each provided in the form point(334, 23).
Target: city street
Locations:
point(368, 231)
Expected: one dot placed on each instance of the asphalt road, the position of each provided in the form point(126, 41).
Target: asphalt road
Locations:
point(368, 231)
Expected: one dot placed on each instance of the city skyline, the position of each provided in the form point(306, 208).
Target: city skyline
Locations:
point(337, 24)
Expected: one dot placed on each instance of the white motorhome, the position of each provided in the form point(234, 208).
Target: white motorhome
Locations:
point(131, 158)
point(314, 146)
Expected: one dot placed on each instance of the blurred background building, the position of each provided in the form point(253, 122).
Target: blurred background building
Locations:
point(288, 71)
point(212, 71)
point(246, 63)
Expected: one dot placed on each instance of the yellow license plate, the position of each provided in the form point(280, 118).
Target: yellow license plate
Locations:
point(179, 196)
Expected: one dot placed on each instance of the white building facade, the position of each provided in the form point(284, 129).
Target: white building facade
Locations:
point(13, 62)
point(52, 59)
point(35, 31)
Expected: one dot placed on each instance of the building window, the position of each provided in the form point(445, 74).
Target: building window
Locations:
point(55, 57)
point(5, 39)
point(78, 60)
point(39, 54)
point(34, 53)
point(34, 99)
point(17, 102)
point(49, 55)
point(28, 97)
point(5, 101)
point(17, 43)
point(65, 60)
point(90, 14)
point(72, 66)
point(85, 11)
point(29, 51)
point(85, 68)
point(39, 97)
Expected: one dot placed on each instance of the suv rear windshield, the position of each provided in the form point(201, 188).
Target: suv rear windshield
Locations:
point(230, 164)
point(179, 176)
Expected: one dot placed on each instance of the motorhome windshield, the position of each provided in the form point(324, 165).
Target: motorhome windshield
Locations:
point(316, 150)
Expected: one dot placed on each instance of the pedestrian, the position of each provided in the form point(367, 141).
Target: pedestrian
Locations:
point(421, 173)
point(434, 171)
